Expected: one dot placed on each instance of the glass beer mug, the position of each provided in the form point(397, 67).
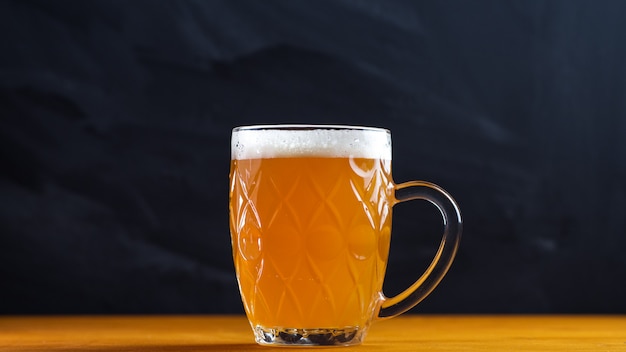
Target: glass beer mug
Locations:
point(310, 220)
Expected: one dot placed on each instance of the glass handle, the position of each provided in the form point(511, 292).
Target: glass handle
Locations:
point(409, 298)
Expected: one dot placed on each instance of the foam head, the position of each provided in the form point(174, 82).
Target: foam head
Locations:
point(331, 142)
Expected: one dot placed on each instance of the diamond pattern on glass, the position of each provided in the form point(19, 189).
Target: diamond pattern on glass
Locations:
point(309, 243)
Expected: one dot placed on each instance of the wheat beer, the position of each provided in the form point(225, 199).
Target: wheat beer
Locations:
point(310, 223)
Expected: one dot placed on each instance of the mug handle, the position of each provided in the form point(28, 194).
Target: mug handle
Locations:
point(452, 228)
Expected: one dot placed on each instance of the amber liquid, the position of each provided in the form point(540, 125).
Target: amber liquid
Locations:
point(310, 239)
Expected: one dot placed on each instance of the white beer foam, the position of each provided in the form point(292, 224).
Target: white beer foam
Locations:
point(335, 143)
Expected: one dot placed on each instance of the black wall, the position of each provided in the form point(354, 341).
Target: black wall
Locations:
point(115, 119)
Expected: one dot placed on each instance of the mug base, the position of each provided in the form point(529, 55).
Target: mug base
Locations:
point(352, 335)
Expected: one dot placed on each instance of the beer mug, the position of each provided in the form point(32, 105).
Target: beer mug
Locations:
point(310, 221)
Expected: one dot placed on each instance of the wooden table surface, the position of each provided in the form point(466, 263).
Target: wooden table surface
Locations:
point(232, 333)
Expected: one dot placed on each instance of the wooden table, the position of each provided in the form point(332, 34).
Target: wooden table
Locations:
point(232, 333)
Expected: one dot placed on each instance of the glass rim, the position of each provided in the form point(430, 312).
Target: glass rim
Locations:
point(306, 127)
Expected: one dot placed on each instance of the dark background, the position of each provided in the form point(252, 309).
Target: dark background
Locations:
point(115, 120)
